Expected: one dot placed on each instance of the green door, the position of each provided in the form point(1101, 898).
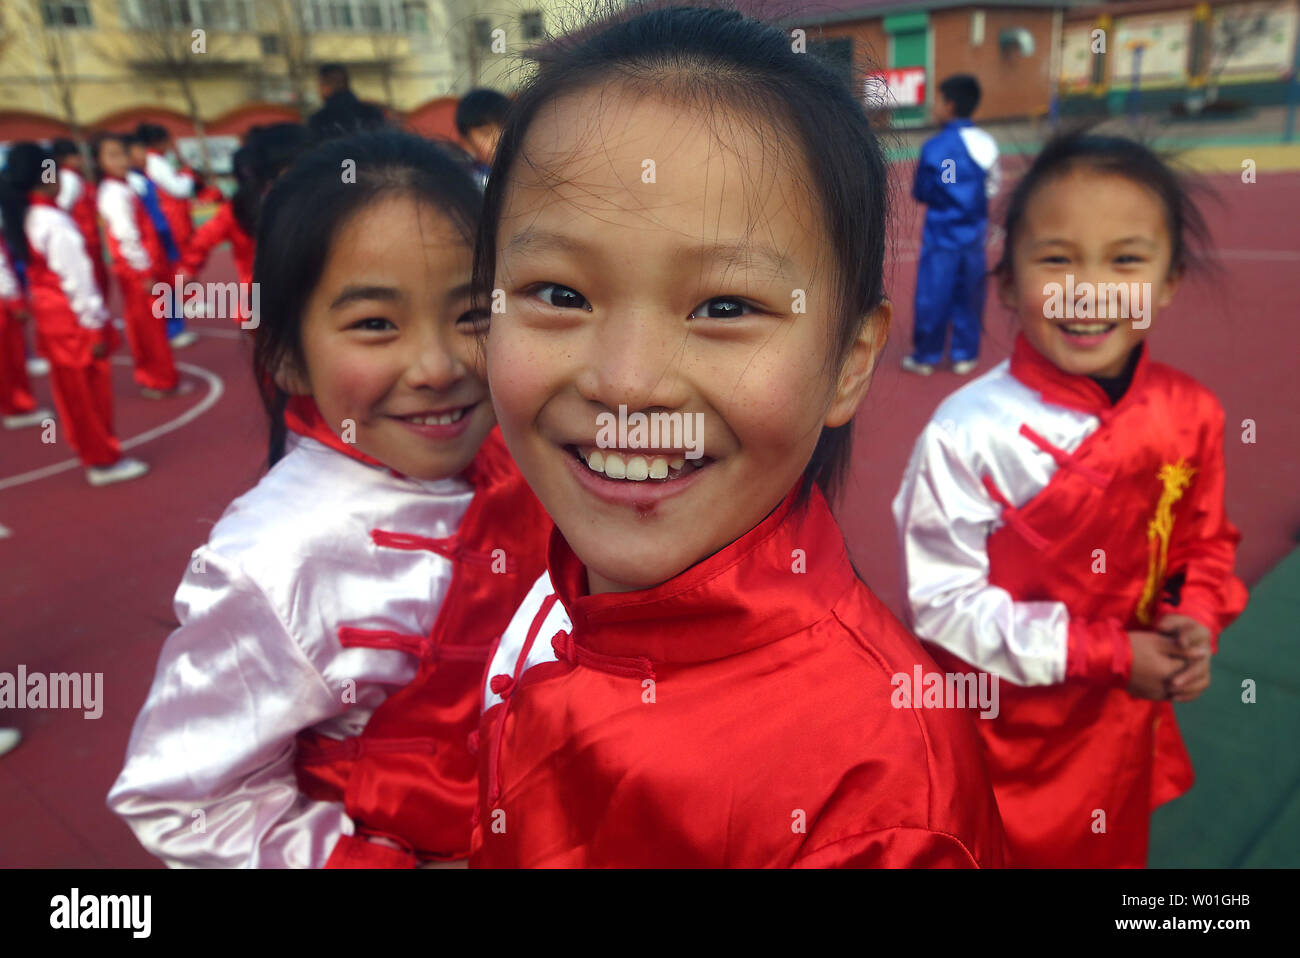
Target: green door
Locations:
point(909, 46)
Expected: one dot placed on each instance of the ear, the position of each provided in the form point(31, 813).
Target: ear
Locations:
point(855, 375)
point(288, 378)
point(1007, 295)
point(1169, 287)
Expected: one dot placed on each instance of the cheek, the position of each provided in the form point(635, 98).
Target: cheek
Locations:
point(778, 399)
point(519, 372)
point(346, 378)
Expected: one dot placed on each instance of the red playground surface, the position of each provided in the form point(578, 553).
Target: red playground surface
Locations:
point(89, 573)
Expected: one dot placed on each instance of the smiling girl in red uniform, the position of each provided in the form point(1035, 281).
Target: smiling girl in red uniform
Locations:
point(72, 328)
point(1062, 517)
point(687, 219)
point(315, 704)
point(138, 263)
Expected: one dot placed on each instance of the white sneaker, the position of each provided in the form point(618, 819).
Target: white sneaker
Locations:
point(9, 739)
point(964, 367)
point(24, 419)
point(910, 365)
point(187, 337)
point(38, 366)
point(120, 471)
point(182, 388)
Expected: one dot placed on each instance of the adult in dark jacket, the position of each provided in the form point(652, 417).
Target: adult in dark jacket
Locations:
point(342, 112)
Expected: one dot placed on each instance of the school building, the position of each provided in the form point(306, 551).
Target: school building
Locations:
point(1033, 56)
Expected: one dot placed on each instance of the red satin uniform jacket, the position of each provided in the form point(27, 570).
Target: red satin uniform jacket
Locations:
point(1040, 523)
point(738, 715)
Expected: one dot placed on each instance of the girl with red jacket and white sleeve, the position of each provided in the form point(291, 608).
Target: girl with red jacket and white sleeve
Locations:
point(78, 197)
point(1062, 517)
point(138, 264)
point(71, 321)
point(315, 704)
point(676, 371)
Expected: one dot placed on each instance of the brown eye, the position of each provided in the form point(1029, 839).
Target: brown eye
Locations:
point(721, 307)
point(561, 297)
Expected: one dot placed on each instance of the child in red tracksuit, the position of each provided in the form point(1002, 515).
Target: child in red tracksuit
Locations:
point(79, 199)
point(71, 322)
point(138, 264)
point(17, 404)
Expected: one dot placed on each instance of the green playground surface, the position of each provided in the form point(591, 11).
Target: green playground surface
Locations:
point(1244, 810)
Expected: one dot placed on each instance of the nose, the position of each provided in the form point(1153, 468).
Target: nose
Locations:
point(433, 362)
point(635, 360)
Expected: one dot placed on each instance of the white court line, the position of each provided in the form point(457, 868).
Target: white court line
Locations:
point(215, 388)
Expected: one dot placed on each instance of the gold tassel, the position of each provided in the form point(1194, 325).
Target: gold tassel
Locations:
point(1175, 478)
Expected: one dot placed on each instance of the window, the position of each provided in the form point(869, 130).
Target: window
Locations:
point(417, 16)
point(341, 16)
point(483, 31)
point(372, 16)
point(977, 28)
point(531, 22)
point(68, 14)
point(270, 45)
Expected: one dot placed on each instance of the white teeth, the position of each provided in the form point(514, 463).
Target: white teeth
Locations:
point(438, 419)
point(635, 468)
point(1086, 329)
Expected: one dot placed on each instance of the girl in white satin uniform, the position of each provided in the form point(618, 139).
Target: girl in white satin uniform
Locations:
point(314, 705)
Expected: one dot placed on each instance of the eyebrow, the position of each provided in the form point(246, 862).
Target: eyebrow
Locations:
point(1061, 241)
point(352, 294)
point(735, 255)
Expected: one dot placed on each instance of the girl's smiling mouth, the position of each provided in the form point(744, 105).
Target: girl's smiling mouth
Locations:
point(445, 423)
point(636, 477)
point(1086, 333)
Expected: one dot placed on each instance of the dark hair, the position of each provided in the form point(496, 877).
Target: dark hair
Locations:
point(720, 55)
point(1081, 148)
point(63, 147)
point(963, 91)
point(96, 145)
point(304, 211)
point(151, 134)
point(266, 153)
point(333, 73)
point(22, 173)
point(481, 107)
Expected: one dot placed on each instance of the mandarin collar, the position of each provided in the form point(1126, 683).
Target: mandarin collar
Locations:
point(1069, 389)
point(743, 597)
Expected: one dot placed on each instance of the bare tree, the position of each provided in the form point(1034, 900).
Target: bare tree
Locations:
point(163, 39)
point(287, 21)
point(52, 48)
point(1239, 29)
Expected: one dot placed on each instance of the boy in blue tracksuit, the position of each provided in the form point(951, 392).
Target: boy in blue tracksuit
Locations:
point(956, 174)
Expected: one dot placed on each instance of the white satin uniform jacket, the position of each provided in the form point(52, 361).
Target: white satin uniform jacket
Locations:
point(944, 518)
point(209, 777)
